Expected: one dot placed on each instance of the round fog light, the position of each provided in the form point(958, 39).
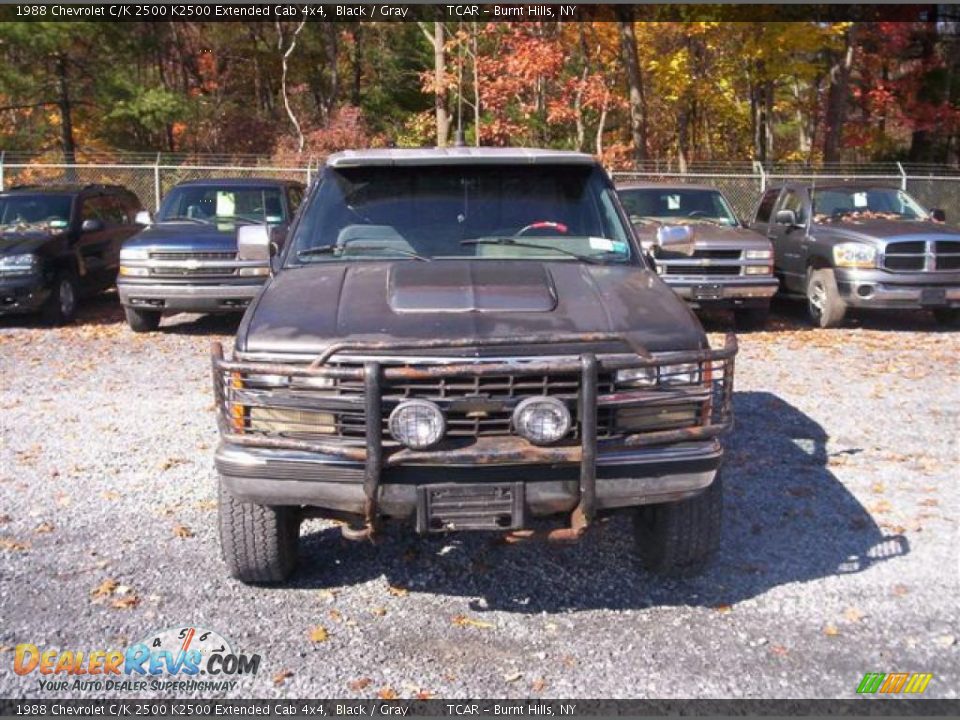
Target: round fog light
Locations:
point(541, 420)
point(418, 424)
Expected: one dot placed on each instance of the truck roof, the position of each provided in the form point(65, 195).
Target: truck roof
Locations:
point(631, 185)
point(238, 182)
point(457, 156)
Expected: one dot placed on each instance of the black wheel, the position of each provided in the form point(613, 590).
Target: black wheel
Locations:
point(142, 320)
point(948, 317)
point(259, 542)
point(679, 538)
point(61, 307)
point(824, 304)
point(751, 318)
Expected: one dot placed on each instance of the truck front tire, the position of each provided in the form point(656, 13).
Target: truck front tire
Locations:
point(679, 538)
point(824, 304)
point(259, 542)
point(142, 320)
point(61, 307)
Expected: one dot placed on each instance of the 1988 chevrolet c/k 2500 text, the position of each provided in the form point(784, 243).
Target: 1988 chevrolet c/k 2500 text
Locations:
point(465, 339)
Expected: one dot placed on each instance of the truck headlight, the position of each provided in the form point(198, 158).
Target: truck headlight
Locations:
point(636, 377)
point(682, 374)
point(417, 424)
point(758, 255)
point(134, 254)
point(541, 420)
point(758, 269)
point(854, 255)
point(19, 264)
point(291, 421)
point(128, 271)
point(254, 271)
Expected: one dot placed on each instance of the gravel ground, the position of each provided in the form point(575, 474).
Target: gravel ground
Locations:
point(839, 554)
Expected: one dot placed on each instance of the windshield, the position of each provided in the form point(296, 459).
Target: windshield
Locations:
point(861, 203)
point(50, 210)
point(211, 203)
point(521, 212)
point(677, 206)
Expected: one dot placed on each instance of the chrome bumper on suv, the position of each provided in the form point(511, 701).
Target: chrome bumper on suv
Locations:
point(299, 434)
point(719, 277)
point(882, 289)
point(191, 281)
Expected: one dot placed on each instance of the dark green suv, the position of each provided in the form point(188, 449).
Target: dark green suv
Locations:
point(59, 243)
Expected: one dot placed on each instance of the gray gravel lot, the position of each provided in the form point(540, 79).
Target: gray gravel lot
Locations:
point(840, 551)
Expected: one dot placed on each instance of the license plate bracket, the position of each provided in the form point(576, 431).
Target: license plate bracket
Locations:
point(710, 291)
point(470, 506)
point(933, 296)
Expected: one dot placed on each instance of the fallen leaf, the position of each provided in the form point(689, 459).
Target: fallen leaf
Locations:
point(900, 590)
point(44, 527)
point(723, 608)
point(378, 611)
point(424, 695)
point(853, 614)
point(882, 506)
point(779, 650)
point(110, 495)
point(104, 589)
point(15, 545)
point(328, 595)
point(512, 676)
point(182, 531)
point(929, 502)
point(539, 685)
point(319, 634)
point(387, 693)
point(127, 602)
point(831, 630)
point(359, 684)
point(879, 488)
point(335, 614)
point(4, 519)
point(397, 591)
point(172, 462)
point(281, 676)
point(464, 621)
point(569, 661)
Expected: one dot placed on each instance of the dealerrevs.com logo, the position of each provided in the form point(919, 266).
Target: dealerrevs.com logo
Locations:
point(181, 659)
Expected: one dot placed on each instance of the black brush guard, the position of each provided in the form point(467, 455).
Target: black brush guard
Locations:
point(714, 393)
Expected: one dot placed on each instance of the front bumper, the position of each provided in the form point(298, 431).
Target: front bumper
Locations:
point(183, 297)
point(22, 294)
point(729, 291)
point(880, 289)
point(623, 479)
point(376, 478)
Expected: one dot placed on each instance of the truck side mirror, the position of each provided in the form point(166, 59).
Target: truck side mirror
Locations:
point(938, 214)
point(253, 243)
point(91, 225)
point(676, 239)
point(786, 217)
point(143, 218)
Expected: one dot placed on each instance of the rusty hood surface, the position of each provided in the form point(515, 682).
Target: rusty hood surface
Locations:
point(304, 309)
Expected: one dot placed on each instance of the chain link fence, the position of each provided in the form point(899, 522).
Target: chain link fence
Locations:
point(151, 177)
point(150, 181)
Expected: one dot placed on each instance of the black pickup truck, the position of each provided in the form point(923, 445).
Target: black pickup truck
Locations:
point(464, 339)
point(188, 260)
point(861, 246)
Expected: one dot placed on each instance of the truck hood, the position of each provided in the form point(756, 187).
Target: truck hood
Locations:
point(303, 310)
point(708, 236)
point(883, 231)
point(185, 236)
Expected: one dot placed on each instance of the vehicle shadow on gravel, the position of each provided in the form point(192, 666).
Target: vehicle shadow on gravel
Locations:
point(788, 519)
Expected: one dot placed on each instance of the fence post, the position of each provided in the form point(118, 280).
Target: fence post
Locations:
point(156, 184)
point(903, 176)
point(758, 169)
point(3, 154)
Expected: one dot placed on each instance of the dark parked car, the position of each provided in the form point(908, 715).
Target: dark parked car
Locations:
point(189, 260)
point(731, 266)
point(464, 339)
point(861, 246)
point(59, 243)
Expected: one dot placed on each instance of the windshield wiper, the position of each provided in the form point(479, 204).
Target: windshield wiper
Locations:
point(338, 250)
point(519, 243)
point(171, 218)
point(236, 219)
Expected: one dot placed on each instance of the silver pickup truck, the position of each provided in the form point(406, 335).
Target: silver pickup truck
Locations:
point(730, 266)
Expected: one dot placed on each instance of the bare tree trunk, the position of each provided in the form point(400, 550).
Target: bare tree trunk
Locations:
point(436, 40)
point(601, 126)
point(637, 99)
point(357, 64)
point(476, 86)
point(283, 77)
point(837, 97)
point(67, 143)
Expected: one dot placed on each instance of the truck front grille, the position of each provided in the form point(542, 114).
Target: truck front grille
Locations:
point(920, 256)
point(182, 256)
point(670, 269)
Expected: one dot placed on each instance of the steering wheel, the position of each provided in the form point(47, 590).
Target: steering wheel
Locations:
point(558, 227)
